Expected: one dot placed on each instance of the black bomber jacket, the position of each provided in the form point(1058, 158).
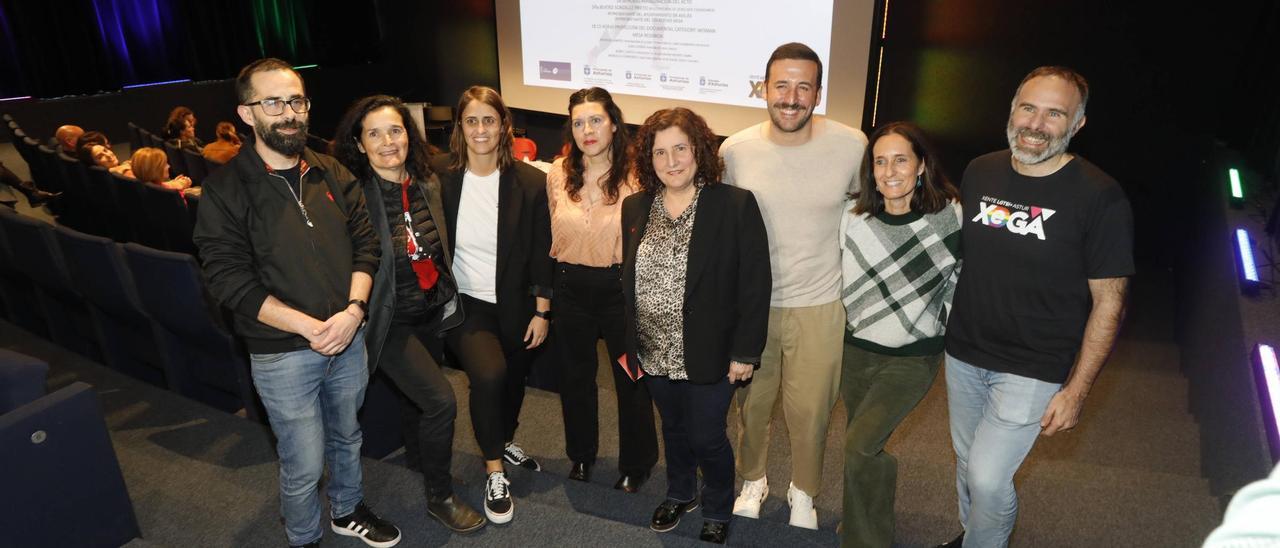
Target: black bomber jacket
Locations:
point(256, 240)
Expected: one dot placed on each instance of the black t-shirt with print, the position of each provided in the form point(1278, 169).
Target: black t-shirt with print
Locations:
point(1031, 244)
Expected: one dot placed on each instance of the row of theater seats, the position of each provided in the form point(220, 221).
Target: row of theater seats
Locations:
point(140, 311)
point(182, 161)
point(99, 202)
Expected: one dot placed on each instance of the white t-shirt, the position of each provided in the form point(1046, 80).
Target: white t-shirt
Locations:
point(801, 190)
point(475, 256)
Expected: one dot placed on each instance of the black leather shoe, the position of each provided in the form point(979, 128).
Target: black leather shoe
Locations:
point(315, 544)
point(631, 483)
point(714, 531)
point(455, 514)
point(581, 471)
point(955, 542)
point(667, 516)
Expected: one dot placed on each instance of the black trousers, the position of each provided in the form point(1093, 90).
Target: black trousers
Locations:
point(588, 307)
point(414, 371)
point(497, 374)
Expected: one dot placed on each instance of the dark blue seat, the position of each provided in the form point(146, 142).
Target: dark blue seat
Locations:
point(37, 254)
point(122, 191)
point(197, 167)
point(90, 205)
point(62, 475)
point(167, 210)
point(190, 330)
point(135, 137)
point(18, 293)
point(177, 162)
point(99, 271)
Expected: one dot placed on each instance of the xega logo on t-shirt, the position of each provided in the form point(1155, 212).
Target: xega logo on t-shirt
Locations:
point(1018, 218)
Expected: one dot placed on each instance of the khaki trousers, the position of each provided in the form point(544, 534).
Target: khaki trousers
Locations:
point(801, 362)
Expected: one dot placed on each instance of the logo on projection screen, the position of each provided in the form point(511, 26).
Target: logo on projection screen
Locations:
point(554, 70)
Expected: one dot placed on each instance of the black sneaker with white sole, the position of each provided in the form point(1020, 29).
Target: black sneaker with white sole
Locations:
point(498, 506)
point(367, 526)
point(513, 454)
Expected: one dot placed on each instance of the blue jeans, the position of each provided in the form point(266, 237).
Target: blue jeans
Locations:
point(995, 419)
point(694, 426)
point(311, 402)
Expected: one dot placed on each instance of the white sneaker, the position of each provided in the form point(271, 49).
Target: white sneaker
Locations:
point(753, 494)
point(803, 513)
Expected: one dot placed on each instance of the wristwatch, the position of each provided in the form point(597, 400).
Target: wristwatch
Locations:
point(544, 315)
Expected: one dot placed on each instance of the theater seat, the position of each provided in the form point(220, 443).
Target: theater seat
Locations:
point(62, 479)
point(189, 331)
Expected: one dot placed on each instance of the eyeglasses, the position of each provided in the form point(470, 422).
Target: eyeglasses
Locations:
point(273, 106)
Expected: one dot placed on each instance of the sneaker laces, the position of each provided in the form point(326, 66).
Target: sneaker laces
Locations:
point(516, 451)
point(497, 487)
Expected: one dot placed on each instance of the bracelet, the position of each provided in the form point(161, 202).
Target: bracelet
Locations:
point(364, 305)
point(544, 315)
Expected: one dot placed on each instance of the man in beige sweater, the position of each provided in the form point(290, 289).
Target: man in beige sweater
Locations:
point(800, 168)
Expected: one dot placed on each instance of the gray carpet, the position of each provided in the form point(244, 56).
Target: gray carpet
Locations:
point(1128, 476)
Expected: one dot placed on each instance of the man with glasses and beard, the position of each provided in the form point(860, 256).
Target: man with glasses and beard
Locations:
point(800, 167)
point(287, 246)
point(1048, 247)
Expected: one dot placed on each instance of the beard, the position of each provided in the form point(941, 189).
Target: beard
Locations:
point(288, 145)
point(1054, 144)
point(775, 117)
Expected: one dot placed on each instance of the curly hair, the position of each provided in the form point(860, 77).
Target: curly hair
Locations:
point(177, 122)
point(458, 141)
point(703, 141)
point(226, 131)
point(347, 137)
point(619, 148)
point(935, 191)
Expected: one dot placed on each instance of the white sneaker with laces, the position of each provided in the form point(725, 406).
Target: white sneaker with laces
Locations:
point(753, 494)
point(803, 514)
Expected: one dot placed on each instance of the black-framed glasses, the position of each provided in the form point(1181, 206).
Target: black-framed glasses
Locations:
point(273, 106)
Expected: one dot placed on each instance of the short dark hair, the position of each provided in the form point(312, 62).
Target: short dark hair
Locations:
point(458, 141)
point(794, 50)
point(620, 146)
point(1071, 76)
point(92, 138)
point(935, 191)
point(704, 142)
point(347, 137)
point(244, 88)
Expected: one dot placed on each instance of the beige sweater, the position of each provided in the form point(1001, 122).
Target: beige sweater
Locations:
point(801, 190)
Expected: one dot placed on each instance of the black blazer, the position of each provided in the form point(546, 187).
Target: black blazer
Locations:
point(382, 298)
point(726, 292)
point(525, 266)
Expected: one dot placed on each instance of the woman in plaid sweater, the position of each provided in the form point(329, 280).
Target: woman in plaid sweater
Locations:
point(900, 255)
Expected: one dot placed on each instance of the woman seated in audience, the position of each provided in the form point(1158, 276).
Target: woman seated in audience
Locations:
point(696, 282)
point(92, 138)
point(102, 156)
point(227, 145)
point(180, 129)
point(585, 191)
point(900, 255)
point(151, 165)
point(415, 298)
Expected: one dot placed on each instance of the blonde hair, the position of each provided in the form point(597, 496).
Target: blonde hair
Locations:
point(149, 165)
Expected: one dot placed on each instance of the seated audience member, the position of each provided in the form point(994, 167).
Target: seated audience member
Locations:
point(91, 138)
point(151, 165)
point(66, 137)
point(227, 145)
point(180, 129)
point(102, 156)
point(35, 196)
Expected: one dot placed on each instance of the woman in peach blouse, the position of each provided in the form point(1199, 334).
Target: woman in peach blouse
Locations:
point(585, 191)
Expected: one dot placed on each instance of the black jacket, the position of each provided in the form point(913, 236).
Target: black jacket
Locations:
point(382, 301)
point(254, 242)
point(525, 266)
point(726, 292)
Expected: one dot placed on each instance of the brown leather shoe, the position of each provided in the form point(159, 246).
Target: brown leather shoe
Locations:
point(455, 514)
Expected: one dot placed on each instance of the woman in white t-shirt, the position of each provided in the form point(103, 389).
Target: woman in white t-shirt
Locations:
point(496, 208)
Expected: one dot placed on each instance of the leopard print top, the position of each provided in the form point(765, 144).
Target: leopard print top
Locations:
point(662, 261)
